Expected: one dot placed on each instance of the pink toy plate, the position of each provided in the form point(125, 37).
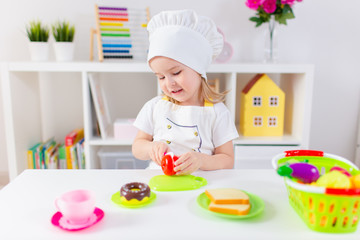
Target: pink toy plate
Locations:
point(59, 221)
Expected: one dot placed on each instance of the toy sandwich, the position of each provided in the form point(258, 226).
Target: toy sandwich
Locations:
point(228, 201)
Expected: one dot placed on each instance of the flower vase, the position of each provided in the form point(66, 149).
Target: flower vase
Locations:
point(271, 41)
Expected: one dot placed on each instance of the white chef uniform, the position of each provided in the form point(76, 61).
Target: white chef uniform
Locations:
point(186, 128)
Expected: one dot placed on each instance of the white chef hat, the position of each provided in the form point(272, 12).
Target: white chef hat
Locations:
point(185, 37)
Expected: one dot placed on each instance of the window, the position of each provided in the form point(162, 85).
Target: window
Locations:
point(257, 101)
point(272, 121)
point(274, 101)
point(257, 121)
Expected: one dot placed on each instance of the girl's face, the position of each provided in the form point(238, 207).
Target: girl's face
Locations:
point(178, 81)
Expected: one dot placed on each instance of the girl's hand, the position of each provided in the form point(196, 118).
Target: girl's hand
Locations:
point(157, 151)
point(188, 163)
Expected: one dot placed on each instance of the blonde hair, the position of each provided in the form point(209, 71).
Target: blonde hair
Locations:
point(207, 93)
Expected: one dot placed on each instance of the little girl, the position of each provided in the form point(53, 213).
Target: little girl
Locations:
point(190, 119)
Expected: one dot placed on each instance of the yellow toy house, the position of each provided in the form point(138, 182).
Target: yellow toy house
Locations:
point(262, 108)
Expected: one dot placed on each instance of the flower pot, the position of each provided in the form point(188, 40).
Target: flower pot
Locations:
point(64, 51)
point(39, 51)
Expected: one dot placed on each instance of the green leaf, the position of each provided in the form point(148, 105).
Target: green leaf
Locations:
point(257, 20)
point(254, 19)
point(286, 9)
point(36, 32)
point(282, 13)
point(264, 16)
point(282, 21)
point(289, 15)
point(62, 31)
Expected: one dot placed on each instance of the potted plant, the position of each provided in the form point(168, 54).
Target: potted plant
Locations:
point(64, 37)
point(38, 36)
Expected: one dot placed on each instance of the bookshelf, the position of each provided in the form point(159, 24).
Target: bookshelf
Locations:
point(46, 99)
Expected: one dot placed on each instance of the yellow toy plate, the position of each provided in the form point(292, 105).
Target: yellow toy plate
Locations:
point(115, 198)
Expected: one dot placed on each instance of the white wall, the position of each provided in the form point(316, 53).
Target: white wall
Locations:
point(325, 33)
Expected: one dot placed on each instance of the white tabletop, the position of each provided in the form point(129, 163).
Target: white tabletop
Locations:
point(27, 205)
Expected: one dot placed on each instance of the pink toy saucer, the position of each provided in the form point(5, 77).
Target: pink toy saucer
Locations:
point(59, 221)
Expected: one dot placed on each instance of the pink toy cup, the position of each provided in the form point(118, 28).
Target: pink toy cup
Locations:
point(76, 206)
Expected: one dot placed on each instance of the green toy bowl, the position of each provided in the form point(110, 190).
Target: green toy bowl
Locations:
point(320, 210)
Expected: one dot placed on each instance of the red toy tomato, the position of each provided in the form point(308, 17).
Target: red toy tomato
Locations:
point(167, 164)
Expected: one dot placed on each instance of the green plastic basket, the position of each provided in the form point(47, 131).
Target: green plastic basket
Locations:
point(320, 210)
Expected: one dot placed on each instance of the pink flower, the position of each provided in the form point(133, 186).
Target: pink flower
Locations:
point(290, 2)
point(269, 6)
point(253, 4)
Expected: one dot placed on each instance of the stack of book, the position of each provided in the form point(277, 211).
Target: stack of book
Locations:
point(74, 146)
point(53, 155)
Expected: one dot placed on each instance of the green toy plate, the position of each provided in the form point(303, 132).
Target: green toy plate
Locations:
point(256, 203)
point(176, 183)
point(115, 198)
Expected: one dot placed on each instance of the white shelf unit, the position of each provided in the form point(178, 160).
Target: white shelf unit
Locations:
point(49, 99)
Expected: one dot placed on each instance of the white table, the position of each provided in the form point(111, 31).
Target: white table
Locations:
point(27, 205)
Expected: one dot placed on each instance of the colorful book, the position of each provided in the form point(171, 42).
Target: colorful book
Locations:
point(38, 155)
point(31, 156)
point(44, 151)
point(74, 158)
point(47, 153)
point(53, 160)
point(62, 157)
point(51, 156)
point(74, 136)
point(70, 140)
point(80, 154)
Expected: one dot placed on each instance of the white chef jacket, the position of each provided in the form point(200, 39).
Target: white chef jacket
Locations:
point(186, 128)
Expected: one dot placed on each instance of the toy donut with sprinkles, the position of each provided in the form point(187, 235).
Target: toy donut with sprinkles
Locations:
point(135, 192)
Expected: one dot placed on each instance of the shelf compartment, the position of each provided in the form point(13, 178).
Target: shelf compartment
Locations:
point(297, 88)
point(30, 88)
